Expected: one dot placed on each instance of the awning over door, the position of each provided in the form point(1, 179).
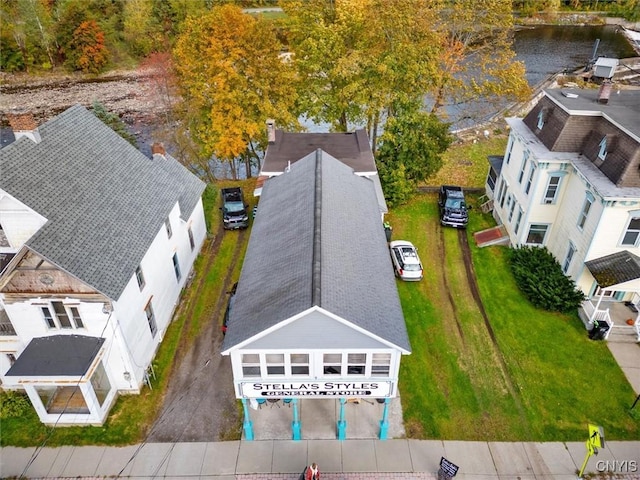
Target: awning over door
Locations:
point(615, 269)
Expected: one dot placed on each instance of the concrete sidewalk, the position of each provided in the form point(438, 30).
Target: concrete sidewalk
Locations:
point(349, 460)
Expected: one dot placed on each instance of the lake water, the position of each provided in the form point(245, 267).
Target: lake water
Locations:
point(546, 50)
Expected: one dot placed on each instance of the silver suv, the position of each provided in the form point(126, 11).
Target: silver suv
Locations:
point(406, 263)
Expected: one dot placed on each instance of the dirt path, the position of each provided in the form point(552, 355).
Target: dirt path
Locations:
point(200, 404)
point(463, 242)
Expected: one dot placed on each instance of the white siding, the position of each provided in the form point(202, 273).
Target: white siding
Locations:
point(18, 221)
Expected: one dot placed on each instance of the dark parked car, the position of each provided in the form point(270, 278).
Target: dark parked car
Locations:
point(234, 210)
point(453, 208)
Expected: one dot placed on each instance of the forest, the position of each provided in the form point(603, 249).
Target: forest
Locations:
point(92, 36)
point(222, 72)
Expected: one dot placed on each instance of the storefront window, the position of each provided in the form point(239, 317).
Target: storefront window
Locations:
point(381, 364)
point(275, 363)
point(299, 364)
point(357, 363)
point(332, 363)
point(251, 365)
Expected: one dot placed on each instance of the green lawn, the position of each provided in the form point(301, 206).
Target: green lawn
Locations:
point(542, 379)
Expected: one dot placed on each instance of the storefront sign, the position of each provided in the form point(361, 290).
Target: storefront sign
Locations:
point(316, 389)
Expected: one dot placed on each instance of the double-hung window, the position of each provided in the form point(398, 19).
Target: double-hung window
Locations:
point(551, 193)
point(523, 166)
point(507, 157)
point(632, 232)
point(518, 220)
point(584, 213)
point(532, 171)
point(59, 315)
point(512, 209)
point(567, 260)
point(192, 242)
point(151, 319)
point(140, 277)
point(176, 267)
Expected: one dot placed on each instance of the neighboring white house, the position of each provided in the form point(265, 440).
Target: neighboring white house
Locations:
point(570, 181)
point(98, 242)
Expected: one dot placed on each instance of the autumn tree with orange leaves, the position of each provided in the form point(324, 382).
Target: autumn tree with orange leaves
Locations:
point(232, 80)
point(88, 51)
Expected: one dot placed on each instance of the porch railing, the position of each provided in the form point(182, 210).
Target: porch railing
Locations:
point(6, 329)
point(594, 314)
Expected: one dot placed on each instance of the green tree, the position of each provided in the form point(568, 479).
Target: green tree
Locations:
point(410, 151)
point(232, 80)
point(477, 57)
point(114, 122)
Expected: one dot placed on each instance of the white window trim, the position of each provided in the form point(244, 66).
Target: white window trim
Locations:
point(634, 215)
point(54, 316)
point(544, 238)
point(602, 153)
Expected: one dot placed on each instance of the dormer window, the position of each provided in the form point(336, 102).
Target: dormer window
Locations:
point(541, 119)
point(602, 153)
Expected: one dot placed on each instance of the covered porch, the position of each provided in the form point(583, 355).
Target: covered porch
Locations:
point(615, 298)
point(65, 379)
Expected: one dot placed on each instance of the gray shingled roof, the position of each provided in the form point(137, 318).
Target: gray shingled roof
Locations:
point(619, 267)
point(353, 149)
point(57, 355)
point(351, 275)
point(623, 107)
point(103, 199)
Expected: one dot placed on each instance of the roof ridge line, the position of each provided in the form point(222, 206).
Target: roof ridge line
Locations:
point(317, 223)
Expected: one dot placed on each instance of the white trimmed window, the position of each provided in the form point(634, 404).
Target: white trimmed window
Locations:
point(356, 363)
point(507, 157)
point(602, 152)
point(523, 166)
point(58, 315)
point(332, 364)
point(167, 226)
point(381, 364)
point(532, 171)
point(512, 209)
point(518, 220)
point(250, 365)
point(553, 185)
point(537, 233)
point(176, 266)
point(151, 318)
point(192, 242)
point(567, 260)
point(299, 363)
point(632, 232)
point(584, 213)
point(541, 116)
point(140, 277)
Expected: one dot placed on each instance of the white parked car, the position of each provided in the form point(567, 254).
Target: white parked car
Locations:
point(406, 262)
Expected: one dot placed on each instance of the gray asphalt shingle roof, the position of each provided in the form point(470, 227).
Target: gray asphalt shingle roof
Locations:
point(619, 267)
point(57, 355)
point(349, 267)
point(104, 200)
point(353, 149)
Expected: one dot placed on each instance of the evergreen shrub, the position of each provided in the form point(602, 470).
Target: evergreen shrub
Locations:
point(540, 278)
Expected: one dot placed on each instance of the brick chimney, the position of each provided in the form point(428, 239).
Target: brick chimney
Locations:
point(604, 92)
point(271, 130)
point(24, 124)
point(158, 149)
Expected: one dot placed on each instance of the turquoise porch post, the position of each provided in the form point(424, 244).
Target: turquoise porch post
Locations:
point(247, 423)
point(295, 425)
point(384, 423)
point(342, 423)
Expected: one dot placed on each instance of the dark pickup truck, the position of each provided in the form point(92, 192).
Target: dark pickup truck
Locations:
point(234, 210)
point(453, 208)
